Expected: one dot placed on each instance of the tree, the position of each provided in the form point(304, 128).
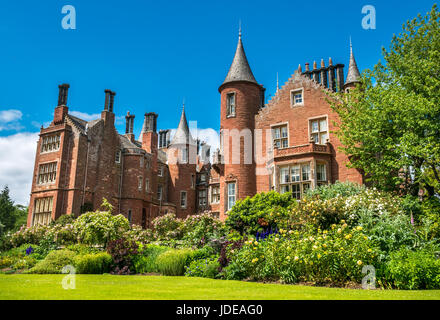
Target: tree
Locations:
point(7, 210)
point(390, 123)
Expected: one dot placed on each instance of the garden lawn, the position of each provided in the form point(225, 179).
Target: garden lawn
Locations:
point(20, 286)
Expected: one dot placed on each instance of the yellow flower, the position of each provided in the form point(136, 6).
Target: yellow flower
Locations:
point(359, 262)
point(277, 239)
point(348, 236)
point(288, 257)
point(254, 260)
point(339, 230)
point(319, 256)
point(296, 258)
point(256, 243)
point(344, 225)
point(369, 250)
point(342, 221)
point(359, 228)
point(324, 245)
point(366, 238)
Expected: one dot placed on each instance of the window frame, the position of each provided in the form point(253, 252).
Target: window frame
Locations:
point(229, 113)
point(47, 214)
point(48, 173)
point(234, 183)
point(293, 102)
point(298, 181)
point(215, 195)
point(280, 126)
point(57, 142)
point(205, 198)
point(320, 132)
point(183, 206)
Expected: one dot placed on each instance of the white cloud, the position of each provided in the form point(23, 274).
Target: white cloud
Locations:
point(85, 116)
point(17, 158)
point(9, 120)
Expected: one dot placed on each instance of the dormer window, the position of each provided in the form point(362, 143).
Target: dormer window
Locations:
point(230, 104)
point(297, 98)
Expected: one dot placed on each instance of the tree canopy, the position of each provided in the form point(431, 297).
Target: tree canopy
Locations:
point(390, 123)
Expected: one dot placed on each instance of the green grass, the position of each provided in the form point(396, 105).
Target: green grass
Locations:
point(20, 286)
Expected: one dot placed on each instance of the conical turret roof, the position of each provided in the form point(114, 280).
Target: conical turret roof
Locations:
point(353, 75)
point(240, 69)
point(182, 135)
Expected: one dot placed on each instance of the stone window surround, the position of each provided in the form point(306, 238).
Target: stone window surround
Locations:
point(272, 126)
point(227, 193)
point(232, 115)
point(51, 134)
point(309, 128)
point(210, 196)
point(56, 172)
point(292, 102)
point(186, 199)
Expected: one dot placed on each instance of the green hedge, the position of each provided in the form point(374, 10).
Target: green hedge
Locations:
point(93, 263)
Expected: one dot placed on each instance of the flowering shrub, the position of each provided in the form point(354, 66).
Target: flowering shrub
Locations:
point(264, 210)
point(329, 256)
point(27, 235)
point(100, 227)
point(168, 227)
point(122, 252)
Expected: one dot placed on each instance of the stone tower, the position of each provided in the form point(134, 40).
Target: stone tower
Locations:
point(181, 155)
point(241, 98)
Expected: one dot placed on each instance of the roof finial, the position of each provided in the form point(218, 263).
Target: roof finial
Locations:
point(278, 83)
point(239, 28)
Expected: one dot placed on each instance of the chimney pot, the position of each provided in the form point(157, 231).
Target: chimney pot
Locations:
point(322, 63)
point(307, 66)
point(314, 65)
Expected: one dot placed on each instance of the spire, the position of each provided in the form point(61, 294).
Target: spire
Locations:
point(240, 69)
point(278, 83)
point(182, 135)
point(353, 75)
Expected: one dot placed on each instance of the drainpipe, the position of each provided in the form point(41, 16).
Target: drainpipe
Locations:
point(120, 181)
point(87, 166)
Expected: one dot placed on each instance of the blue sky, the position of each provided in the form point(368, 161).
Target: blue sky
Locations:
point(155, 54)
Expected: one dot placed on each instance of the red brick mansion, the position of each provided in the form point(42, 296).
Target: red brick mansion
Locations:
point(285, 145)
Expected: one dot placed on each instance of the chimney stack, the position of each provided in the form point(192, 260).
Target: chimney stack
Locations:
point(61, 110)
point(129, 121)
point(112, 101)
point(307, 66)
point(62, 94)
point(107, 99)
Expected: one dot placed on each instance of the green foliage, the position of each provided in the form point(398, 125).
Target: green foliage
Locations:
point(173, 262)
point(99, 227)
point(12, 217)
point(409, 269)
point(334, 256)
point(145, 261)
point(93, 263)
point(206, 268)
point(202, 229)
point(338, 189)
point(54, 262)
point(168, 227)
point(260, 212)
point(64, 220)
point(390, 124)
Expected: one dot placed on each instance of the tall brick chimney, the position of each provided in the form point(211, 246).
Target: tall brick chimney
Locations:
point(149, 137)
point(129, 124)
point(107, 114)
point(61, 110)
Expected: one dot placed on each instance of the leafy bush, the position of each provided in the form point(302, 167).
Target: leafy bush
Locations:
point(338, 189)
point(54, 262)
point(122, 252)
point(145, 261)
point(202, 229)
point(93, 263)
point(100, 227)
point(168, 227)
point(173, 262)
point(262, 211)
point(409, 269)
point(206, 268)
